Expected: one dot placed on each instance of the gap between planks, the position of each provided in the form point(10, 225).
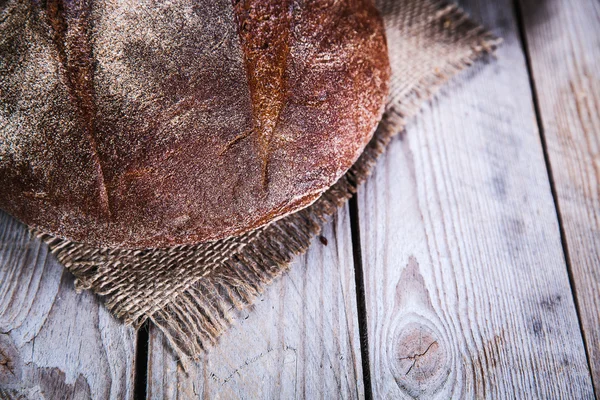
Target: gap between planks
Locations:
point(361, 299)
point(140, 383)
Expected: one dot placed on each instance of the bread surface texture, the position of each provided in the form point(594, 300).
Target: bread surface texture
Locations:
point(142, 124)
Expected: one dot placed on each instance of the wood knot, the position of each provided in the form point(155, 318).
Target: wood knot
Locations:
point(419, 359)
point(10, 362)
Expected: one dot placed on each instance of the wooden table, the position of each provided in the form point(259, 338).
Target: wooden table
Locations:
point(467, 266)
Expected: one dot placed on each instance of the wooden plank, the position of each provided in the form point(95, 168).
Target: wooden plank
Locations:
point(300, 340)
point(55, 343)
point(564, 49)
point(466, 285)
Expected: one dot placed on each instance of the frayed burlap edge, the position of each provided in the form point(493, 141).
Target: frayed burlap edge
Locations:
point(189, 292)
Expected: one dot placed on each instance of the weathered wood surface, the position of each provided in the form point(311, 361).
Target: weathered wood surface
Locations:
point(564, 48)
point(54, 343)
point(466, 285)
point(300, 339)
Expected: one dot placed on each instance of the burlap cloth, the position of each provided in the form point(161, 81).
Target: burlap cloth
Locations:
point(188, 292)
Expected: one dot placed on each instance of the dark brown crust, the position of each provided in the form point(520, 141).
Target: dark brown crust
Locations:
point(177, 124)
point(75, 58)
point(265, 30)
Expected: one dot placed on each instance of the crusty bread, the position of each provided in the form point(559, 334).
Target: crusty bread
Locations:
point(128, 123)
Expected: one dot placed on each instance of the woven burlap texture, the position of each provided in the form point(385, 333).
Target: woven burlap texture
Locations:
point(189, 292)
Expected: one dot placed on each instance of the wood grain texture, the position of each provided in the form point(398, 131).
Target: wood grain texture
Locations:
point(299, 340)
point(466, 285)
point(55, 343)
point(564, 49)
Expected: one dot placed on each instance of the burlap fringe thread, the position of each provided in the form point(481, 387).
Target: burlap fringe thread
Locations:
point(189, 292)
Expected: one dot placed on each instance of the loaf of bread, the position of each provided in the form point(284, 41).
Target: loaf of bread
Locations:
point(137, 123)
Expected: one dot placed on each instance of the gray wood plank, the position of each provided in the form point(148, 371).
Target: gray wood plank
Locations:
point(55, 343)
point(299, 340)
point(564, 48)
point(466, 285)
